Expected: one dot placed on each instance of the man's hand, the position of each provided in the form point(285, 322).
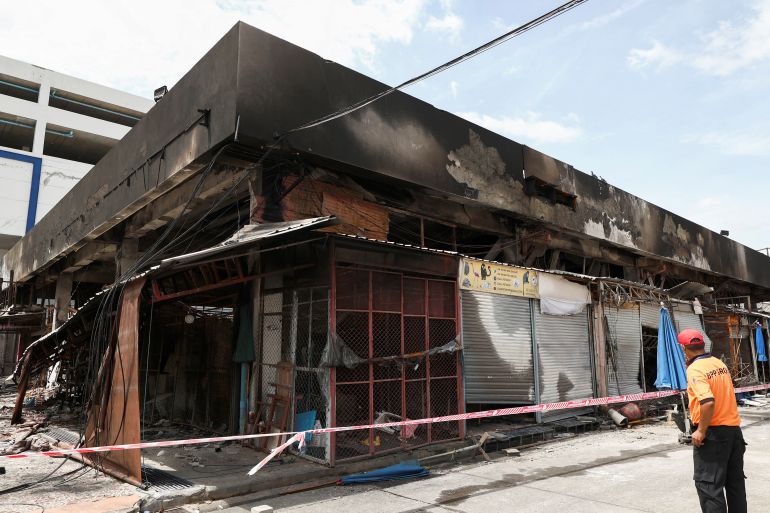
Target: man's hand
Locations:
point(706, 413)
point(698, 438)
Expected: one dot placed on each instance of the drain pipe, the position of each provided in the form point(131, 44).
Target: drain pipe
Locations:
point(617, 418)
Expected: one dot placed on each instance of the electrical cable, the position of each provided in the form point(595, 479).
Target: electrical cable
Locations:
point(443, 67)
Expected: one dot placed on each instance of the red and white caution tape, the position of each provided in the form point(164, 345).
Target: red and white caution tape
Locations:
point(143, 445)
point(300, 436)
point(752, 388)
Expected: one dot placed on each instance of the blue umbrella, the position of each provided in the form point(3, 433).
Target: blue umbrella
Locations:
point(671, 368)
point(760, 341)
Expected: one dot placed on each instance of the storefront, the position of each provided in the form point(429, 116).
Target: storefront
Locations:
point(526, 336)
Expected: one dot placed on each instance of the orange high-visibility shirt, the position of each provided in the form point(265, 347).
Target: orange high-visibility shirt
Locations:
point(708, 378)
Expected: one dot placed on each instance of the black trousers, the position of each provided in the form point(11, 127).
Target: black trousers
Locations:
point(719, 470)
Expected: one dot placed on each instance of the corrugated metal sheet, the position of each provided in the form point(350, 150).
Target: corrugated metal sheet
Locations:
point(250, 235)
point(564, 355)
point(685, 318)
point(625, 330)
point(650, 314)
point(116, 420)
point(497, 348)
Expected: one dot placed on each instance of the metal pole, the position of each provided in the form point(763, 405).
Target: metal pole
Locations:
point(535, 359)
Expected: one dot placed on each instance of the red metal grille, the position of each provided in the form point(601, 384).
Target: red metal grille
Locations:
point(378, 315)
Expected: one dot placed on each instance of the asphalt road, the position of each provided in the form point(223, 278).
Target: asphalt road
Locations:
point(636, 470)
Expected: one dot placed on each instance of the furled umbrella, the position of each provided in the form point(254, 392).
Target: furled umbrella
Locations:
point(759, 340)
point(672, 373)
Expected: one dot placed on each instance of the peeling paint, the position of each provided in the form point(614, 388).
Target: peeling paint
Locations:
point(696, 258)
point(594, 229)
point(620, 236)
point(610, 231)
point(683, 235)
point(476, 164)
point(669, 226)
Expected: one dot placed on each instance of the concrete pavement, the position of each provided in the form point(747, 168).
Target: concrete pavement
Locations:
point(639, 469)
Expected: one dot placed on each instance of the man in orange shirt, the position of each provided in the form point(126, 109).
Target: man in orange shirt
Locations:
point(718, 440)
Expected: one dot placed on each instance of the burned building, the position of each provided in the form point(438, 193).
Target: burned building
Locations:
point(235, 265)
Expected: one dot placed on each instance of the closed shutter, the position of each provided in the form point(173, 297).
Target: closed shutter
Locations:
point(685, 318)
point(497, 348)
point(564, 356)
point(650, 315)
point(8, 343)
point(624, 367)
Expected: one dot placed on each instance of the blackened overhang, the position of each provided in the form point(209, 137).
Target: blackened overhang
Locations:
point(264, 86)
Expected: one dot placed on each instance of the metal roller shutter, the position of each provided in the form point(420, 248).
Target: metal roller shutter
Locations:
point(625, 330)
point(564, 357)
point(685, 318)
point(497, 348)
point(650, 314)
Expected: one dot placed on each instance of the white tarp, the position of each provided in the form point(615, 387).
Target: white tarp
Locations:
point(559, 296)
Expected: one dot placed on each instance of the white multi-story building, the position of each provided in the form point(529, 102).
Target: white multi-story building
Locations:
point(53, 129)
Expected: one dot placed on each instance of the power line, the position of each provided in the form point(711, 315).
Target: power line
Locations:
point(443, 67)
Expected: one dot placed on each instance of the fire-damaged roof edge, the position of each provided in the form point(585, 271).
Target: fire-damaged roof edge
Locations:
point(264, 85)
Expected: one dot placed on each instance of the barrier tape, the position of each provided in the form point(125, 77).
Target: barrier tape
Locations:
point(296, 436)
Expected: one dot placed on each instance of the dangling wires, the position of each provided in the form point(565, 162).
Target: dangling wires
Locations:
point(454, 62)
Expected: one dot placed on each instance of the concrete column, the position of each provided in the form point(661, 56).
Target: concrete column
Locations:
point(62, 299)
point(128, 254)
point(40, 125)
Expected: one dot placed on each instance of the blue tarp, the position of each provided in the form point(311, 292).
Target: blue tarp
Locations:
point(672, 372)
point(405, 470)
point(305, 421)
point(760, 340)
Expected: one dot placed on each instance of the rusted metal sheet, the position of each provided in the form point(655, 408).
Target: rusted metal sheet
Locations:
point(114, 417)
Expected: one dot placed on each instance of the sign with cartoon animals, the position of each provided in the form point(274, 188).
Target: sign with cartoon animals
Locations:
point(498, 278)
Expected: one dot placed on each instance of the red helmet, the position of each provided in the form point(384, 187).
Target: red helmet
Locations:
point(690, 337)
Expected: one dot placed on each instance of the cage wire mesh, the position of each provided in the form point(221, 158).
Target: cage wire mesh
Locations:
point(294, 334)
point(393, 320)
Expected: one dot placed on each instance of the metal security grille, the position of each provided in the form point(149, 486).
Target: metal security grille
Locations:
point(564, 357)
point(390, 320)
point(685, 318)
point(497, 349)
point(624, 350)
